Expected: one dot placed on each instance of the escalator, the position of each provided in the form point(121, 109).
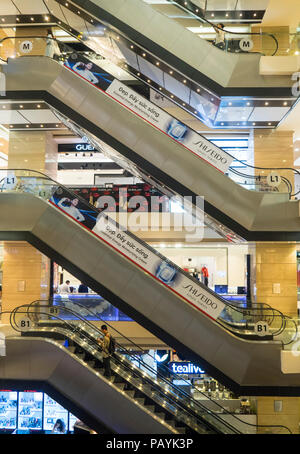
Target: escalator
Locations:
point(147, 400)
point(150, 289)
point(145, 27)
point(187, 168)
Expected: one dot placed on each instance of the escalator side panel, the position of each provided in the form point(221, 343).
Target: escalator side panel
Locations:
point(37, 359)
point(170, 41)
point(150, 145)
point(201, 335)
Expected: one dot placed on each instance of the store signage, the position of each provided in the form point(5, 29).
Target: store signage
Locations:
point(150, 112)
point(182, 368)
point(74, 147)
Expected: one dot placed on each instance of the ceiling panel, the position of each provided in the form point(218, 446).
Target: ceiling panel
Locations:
point(7, 8)
point(11, 117)
point(40, 116)
point(30, 6)
point(268, 113)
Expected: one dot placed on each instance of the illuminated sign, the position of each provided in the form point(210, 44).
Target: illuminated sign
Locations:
point(182, 368)
point(73, 147)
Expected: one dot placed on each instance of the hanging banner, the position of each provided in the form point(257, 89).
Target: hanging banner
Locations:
point(169, 125)
point(161, 269)
point(141, 106)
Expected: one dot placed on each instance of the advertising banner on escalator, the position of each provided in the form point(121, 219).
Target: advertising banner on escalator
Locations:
point(147, 110)
point(139, 253)
point(170, 126)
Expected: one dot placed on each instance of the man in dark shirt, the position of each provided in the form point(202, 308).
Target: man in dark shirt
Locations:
point(83, 288)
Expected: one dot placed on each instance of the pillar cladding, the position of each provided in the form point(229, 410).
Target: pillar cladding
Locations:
point(275, 275)
point(26, 276)
point(278, 411)
point(274, 149)
point(26, 272)
point(33, 150)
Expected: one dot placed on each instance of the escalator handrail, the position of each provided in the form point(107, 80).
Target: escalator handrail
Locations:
point(204, 19)
point(155, 384)
point(231, 156)
point(75, 329)
point(144, 244)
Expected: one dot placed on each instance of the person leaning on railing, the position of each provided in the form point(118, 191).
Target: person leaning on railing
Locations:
point(220, 36)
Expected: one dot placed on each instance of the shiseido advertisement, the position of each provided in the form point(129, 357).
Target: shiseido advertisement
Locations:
point(150, 112)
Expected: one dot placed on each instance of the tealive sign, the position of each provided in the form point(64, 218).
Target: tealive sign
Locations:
point(169, 125)
point(185, 368)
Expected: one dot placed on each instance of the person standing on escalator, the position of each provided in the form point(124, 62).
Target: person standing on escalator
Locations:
point(106, 351)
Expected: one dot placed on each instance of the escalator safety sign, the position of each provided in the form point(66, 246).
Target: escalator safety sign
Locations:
point(185, 136)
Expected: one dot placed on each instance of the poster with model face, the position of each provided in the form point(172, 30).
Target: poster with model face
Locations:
point(89, 71)
point(139, 253)
point(152, 113)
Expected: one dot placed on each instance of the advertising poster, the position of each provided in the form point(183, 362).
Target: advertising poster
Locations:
point(150, 112)
point(174, 128)
point(139, 253)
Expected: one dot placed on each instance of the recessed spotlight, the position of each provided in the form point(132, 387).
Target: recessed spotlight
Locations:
point(230, 103)
point(138, 74)
point(41, 126)
point(46, 18)
point(27, 126)
point(198, 90)
point(212, 15)
point(3, 107)
point(266, 103)
point(18, 20)
point(226, 14)
point(254, 14)
point(131, 47)
point(253, 124)
point(172, 96)
point(38, 106)
point(56, 126)
point(248, 103)
point(285, 103)
point(3, 20)
point(148, 80)
point(32, 18)
point(144, 55)
point(160, 88)
point(269, 124)
point(21, 106)
point(67, 4)
point(11, 126)
point(183, 104)
point(157, 63)
point(170, 72)
point(184, 81)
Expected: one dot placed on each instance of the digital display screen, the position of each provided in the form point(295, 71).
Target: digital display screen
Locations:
point(8, 409)
point(52, 412)
point(30, 410)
